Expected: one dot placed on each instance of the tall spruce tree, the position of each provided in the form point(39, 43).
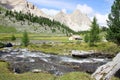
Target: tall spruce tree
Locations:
point(94, 33)
point(86, 38)
point(113, 33)
point(25, 39)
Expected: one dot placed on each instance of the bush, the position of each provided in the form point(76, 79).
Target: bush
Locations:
point(86, 38)
point(13, 38)
point(2, 45)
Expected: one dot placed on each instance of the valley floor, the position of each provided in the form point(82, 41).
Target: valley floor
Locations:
point(59, 45)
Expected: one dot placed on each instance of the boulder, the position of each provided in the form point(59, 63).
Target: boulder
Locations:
point(9, 45)
point(87, 54)
point(81, 54)
point(105, 72)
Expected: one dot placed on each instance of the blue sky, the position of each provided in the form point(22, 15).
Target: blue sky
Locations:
point(98, 8)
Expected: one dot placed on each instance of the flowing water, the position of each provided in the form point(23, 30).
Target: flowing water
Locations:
point(22, 60)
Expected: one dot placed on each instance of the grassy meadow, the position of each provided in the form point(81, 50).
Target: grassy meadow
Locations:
point(6, 74)
point(59, 44)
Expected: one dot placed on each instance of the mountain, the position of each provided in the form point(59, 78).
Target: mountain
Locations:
point(23, 6)
point(18, 21)
point(61, 17)
point(76, 21)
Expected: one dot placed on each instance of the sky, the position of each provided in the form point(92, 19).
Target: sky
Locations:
point(98, 8)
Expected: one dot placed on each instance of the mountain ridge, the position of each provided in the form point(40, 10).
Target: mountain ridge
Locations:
point(76, 21)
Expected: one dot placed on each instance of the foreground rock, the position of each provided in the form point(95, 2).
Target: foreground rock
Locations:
point(88, 54)
point(108, 70)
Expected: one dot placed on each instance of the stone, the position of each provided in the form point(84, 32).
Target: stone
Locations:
point(36, 70)
point(81, 54)
point(105, 72)
point(87, 54)
point(9, 45)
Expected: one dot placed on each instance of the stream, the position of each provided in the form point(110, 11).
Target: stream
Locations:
point(22, 60)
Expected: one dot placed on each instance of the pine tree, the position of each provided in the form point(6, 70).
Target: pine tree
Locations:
point(86, 38)
point(13, 38)
point(25, 39)
point(7, 13)
point(113, 33)
point(94, 33)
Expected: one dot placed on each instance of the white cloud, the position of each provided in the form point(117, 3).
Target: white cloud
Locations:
point(101, 19)
point(64, 10)
point(59, 4)
point(50, 12)
point(85, 9)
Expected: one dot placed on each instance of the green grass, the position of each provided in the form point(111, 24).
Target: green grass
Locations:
point(63, 48)
point(6, 74)
point(33, 36)
point(76, 76)
point(4, 29)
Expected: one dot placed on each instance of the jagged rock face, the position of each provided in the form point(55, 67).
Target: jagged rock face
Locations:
point(81, 20)
point(76, 21)
point(22, 5)
point(3, 1)
point(62, 17)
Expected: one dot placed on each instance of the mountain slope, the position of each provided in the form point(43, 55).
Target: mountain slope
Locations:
point(31, 23)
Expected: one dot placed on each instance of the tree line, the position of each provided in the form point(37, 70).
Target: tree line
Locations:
point(19, 16)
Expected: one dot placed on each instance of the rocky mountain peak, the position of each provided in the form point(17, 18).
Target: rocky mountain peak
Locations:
point(81, 19)
point(77, 21)
point(3, 1)
point(24, 6)
point(77, 12)
point(61, 17)
point(61, 14)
